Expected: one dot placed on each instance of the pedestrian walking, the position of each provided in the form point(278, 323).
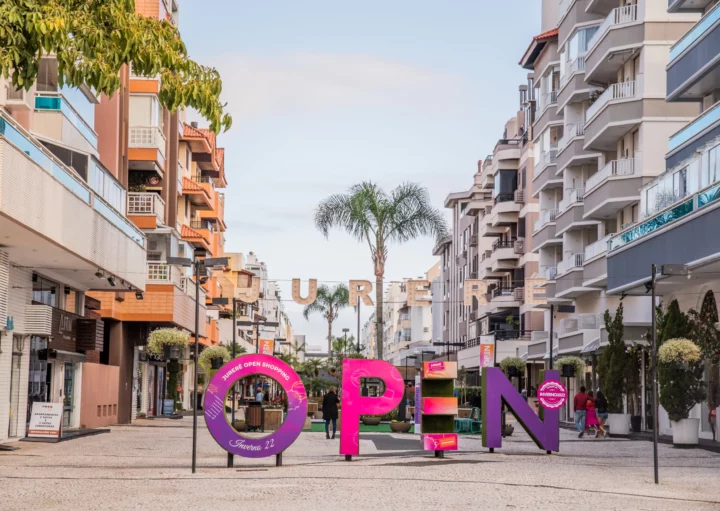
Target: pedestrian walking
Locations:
point(259, 395)
point(330, 411)
point(601, 407)
point(591, 419)
point(580, 407)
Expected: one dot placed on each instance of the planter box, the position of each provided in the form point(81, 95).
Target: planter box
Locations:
point(273, 418)
point(619, 424)
point(685, 432)
point(240, 426)
point(371, 421)
point(464, 413)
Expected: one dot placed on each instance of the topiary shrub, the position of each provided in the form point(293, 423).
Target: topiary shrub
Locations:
point(680, 368)
point(613, 362)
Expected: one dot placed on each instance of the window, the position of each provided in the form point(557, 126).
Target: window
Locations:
point(45, 291)
point(72, 301)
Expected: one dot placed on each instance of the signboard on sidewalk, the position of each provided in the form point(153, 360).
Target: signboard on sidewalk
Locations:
point(266, 347)
point(46, 420)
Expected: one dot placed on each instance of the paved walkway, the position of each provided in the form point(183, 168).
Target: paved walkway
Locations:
point(147, 466)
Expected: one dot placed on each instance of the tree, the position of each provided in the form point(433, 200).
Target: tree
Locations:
point(707, 336)
point(92, 41)
point(613, 360)
point(329, 302)
point(676, 324)
point(372, 216)
point(239, 349)
point(312, 367)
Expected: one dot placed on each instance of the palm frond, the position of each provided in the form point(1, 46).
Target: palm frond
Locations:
point(412, 215)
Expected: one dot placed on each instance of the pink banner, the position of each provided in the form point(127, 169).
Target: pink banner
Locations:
point(440, 442)
point(354, 404)
point(439, 406)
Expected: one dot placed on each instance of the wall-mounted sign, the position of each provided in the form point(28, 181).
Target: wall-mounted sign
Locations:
point(552, 394)
point(46, 420)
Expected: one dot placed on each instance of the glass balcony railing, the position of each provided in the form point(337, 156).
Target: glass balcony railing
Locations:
point(57, 102)
point(667, 216)
point(695, 33)
point(66, 177)
point(707, 119)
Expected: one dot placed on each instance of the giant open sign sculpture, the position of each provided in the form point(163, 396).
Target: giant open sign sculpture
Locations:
point(496, 390)
point(222, 382)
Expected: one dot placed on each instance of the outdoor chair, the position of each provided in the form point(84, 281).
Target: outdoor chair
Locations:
point(475, 423)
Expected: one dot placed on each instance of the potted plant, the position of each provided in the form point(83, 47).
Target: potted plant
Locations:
point(512, 366)
point(400, 427)
point(211, 359)
point(370, 420)
point(170, 341)
point(680, 367)
point(571, 366)
point(239, 425)
point(612, 370)
point(508, 429)
point(633, 379)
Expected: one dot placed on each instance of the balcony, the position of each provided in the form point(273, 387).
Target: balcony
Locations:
point(618, 32)
point(693, 69)
point(48, 212)
point(504, 257)
point(571, 148)
point(570, 262)
point(612, 115)
point(505, 211)
point(200, 192)
point(570, 279)
point(595, 264)
point(612, 188)
point(544, 234)
point(503, 298)
point(571, 214)
point(548, 272)
point(15, 99)
point(597, 248)
point(55, 118)
point(147, 149)
point(146, 209)
point(545, 159)
point(574, 196)
point(199, 240)
point(701, 130)
point(159, 272)
point(546, 112)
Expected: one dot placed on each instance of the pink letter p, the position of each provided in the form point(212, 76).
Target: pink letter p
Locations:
point(355, 404)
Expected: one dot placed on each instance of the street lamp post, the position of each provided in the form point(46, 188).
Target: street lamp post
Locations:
point(345, 331)
point(196, 265)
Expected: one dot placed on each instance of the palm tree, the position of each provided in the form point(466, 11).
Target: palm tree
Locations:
point(329, 302)
point(371, 215)
point(312, 367)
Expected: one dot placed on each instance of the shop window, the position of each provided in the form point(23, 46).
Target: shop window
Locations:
point(45, 291)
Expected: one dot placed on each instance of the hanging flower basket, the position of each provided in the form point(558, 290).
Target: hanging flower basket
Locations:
point(209, 358)
point(171, 352)
point(571, 366)
point(216, 363)
point(512, 366)
point(168, 342)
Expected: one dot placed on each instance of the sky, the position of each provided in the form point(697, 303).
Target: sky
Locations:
point(326, 94)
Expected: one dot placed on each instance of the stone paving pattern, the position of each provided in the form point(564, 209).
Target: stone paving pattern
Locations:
point(147, 466)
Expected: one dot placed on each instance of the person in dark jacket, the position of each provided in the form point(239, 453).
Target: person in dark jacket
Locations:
point(330, 411)
point(602, 410)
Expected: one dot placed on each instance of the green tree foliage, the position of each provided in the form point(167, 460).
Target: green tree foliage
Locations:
point(707, 336)
point(329, 302)
point(676, 324)
point(92, 40)
point(373, 216)
point(680, 371)
point(613, 361)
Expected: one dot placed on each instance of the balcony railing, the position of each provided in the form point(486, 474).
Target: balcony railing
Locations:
point(618, 16)
point(546, 216)
point(56, 101)
point(546, 99)
point(571, 131)
point(161, 272)
point(201, 224)
point(702, 26)
point(622, 90)
point(707, 119)
point(625, 167)
point(546, 158)
point(598, 247)
point(573, 67)
point(14, 134)
point(504, 197)
point(570, 262)
point(503, 291)
point(549, 272)
point(519, 197)
point(188, 285)
point(146, 204)
point(147, 137)
point(499, 244)
point(572, 196)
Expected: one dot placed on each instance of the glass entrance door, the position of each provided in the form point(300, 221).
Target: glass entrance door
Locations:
point(68, 391)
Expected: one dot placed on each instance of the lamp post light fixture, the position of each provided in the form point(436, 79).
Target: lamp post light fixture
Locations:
point(197, 264)
point(345, 331)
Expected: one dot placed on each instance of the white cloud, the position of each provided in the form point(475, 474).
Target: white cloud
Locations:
point(305, 83)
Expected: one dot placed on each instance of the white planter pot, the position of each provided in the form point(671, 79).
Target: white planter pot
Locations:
point(619, 423)
point(685, 432)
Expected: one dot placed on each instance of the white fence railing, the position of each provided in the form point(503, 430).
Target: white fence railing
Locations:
point(571, 261)
point(162, 272)
point(546, 216)
point(571, 131)
point(598, 247)
point(618, 16)
point(188, 285)
point(624, 167)
point(572, 196)
point(622, 90)
point(146, 204)
point(147, 137)
point(573, 67)
point(549, 272)
point(546, 158)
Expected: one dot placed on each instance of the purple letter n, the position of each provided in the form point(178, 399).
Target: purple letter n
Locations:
point(496, 389)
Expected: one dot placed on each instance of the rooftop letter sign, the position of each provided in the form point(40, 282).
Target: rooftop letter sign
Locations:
point(496, 388)
point(475, 289)
point(354, 404)
point(222, 382)
point(418, 292)
point(361, 288)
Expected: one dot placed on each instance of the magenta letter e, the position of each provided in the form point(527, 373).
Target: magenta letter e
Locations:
point(354, 404)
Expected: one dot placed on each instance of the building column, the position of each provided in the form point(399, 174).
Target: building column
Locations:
point(121, 355)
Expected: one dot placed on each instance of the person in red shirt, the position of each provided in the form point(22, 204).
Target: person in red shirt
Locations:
point(580, 407)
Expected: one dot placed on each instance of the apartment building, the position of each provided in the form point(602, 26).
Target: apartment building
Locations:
point(270, 318)
point(678, 209)
point(367, 337)
point(600, 122)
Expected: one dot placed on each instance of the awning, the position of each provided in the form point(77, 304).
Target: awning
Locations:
point(555, 353)
point(591, 347)
point(69, 356)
